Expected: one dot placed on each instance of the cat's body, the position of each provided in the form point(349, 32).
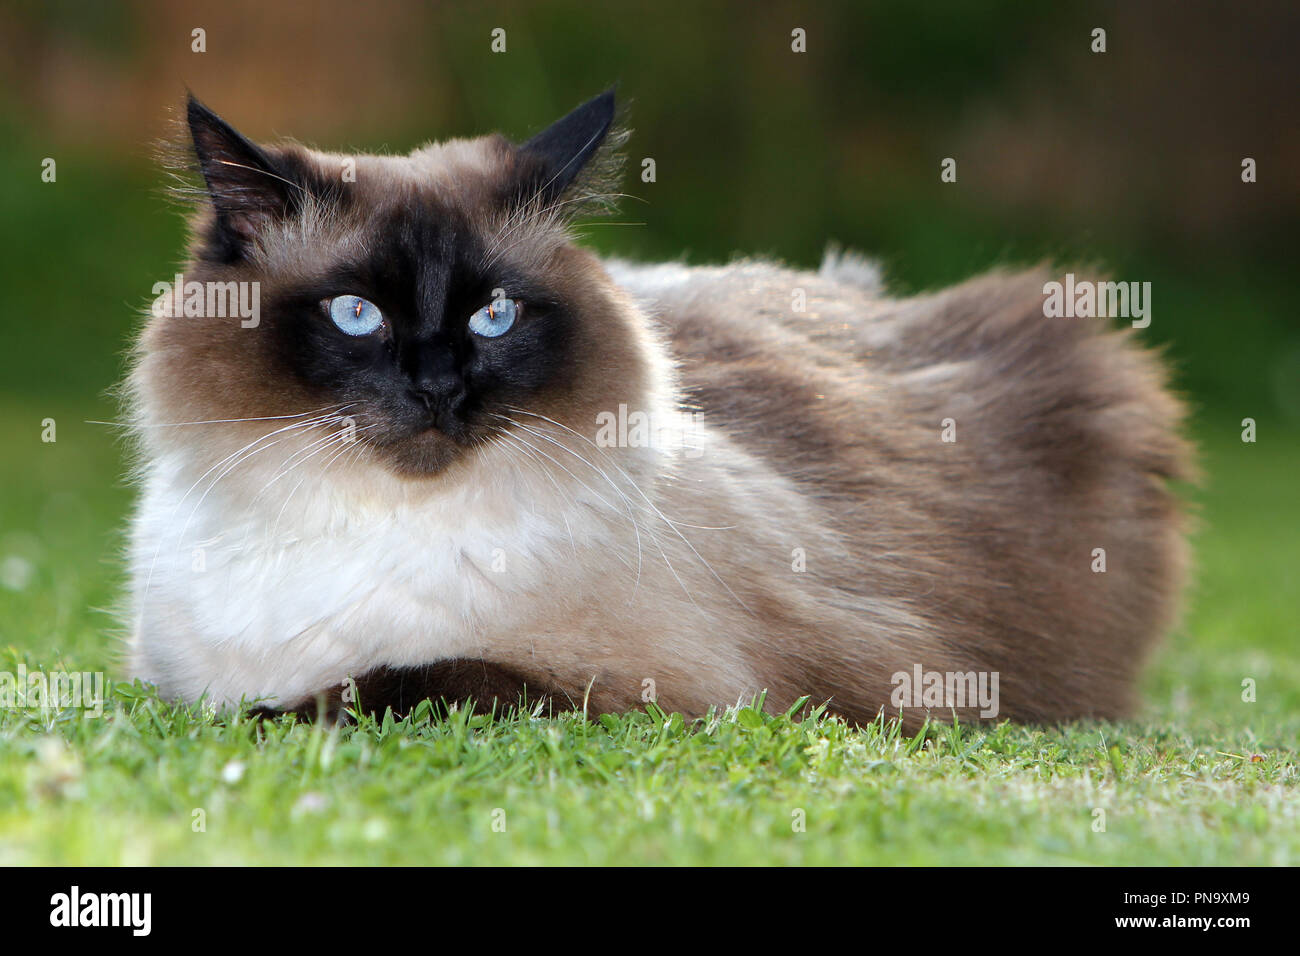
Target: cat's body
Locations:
point(806, 530)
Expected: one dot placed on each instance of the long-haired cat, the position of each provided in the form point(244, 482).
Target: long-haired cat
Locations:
point(450, 453)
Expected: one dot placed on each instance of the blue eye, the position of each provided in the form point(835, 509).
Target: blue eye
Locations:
point(495, 319)
point(355, 315)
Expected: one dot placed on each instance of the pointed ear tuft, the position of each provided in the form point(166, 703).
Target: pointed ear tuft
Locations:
point(248, 186)
point(562, 150)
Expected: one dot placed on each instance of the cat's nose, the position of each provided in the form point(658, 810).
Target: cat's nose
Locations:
point(438, 387)
point(434, 379)
point(441, 394)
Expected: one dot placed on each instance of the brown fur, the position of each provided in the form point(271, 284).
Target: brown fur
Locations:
point(1066, 433)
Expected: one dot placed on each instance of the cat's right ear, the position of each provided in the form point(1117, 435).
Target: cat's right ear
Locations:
point(583, 145)
point(248, 186)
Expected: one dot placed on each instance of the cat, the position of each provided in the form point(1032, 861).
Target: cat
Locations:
point(456, 456)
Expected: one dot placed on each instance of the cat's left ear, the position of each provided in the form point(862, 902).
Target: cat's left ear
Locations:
point(248, 186)
point(562, 150)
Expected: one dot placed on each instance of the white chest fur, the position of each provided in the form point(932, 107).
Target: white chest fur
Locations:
point(240, 594)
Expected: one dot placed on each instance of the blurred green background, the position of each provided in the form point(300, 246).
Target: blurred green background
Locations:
point(1129, 160)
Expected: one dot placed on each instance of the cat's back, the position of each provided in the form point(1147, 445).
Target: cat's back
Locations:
point(733, 317)
point(829, 377)
point(759, 347)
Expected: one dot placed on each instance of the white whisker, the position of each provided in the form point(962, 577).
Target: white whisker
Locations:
point(655, 508)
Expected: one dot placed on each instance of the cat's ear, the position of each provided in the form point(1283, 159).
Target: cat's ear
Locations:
point(248, 186)
point(560, 152)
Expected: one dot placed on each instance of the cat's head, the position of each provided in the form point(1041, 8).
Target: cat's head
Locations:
point(421, 299)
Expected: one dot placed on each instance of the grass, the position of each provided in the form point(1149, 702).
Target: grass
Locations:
point(640, 788)
point(1201, 778)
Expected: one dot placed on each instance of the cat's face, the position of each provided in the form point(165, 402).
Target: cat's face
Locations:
point(422, 299)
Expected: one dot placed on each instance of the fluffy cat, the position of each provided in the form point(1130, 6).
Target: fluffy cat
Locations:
point(457, 455)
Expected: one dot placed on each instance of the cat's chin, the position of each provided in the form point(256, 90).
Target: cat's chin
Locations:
point(423, 454)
